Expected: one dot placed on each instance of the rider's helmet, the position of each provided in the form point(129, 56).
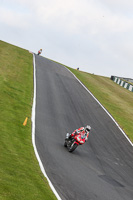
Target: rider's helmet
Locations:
point(87, 128)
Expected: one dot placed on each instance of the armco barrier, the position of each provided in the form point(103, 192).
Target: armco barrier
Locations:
point(123, 82)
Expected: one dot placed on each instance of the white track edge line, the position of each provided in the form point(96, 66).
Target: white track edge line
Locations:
point(33, 134)
point(102, 107)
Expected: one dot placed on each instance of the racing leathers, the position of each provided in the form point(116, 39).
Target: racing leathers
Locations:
point(79, 131)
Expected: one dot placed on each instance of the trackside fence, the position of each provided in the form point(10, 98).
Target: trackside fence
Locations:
point(123, 82)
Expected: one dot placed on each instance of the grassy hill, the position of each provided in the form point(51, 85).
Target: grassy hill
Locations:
point(20, 175)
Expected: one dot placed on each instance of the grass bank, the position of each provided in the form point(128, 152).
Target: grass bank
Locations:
point(20, 175)
point(116, 99)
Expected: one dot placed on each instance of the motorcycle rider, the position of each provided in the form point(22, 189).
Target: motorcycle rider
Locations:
point(40, 51)
point(85, 130)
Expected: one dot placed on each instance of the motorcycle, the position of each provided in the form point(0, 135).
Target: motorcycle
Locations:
point(73, 142)
point(39, 52)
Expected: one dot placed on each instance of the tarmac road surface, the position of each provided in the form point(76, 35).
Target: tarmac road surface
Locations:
point(102, 168)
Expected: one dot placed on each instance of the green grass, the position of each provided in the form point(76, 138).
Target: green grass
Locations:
point(20, 175)
point(116, 99)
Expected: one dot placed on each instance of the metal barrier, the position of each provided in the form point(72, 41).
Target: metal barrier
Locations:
point(124, 82)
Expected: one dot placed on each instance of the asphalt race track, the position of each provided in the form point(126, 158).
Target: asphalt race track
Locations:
point(102, 168)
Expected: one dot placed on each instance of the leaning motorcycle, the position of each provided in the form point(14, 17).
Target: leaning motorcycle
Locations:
point(39, 52)
point(73, 142)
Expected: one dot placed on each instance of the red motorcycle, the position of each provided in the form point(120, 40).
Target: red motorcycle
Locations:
point(39, 52)
point(73, 142)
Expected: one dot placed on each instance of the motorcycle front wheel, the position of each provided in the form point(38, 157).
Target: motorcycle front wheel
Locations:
point(72, 147)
